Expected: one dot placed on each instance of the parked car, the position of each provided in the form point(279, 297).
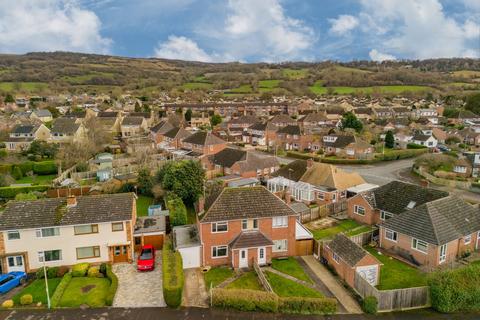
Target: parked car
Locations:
point(443, 148)
point(11, 280)
point(146, 259)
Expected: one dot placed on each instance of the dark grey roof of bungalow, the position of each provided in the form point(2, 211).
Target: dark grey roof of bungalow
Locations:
point(347, 250)
point(259, 126)
point(249, 239)
point(244, 203)
point(42, 113)
point(244, 119)
point(228, 157)
point(203, 138)
point(437, 222)
point(293, 130)
point(341, 142)
point(107, 114)
point(179, 133)
point(145, 115)
point(65, 125)
point(162, 127)
point(30, 128)
point(292, 171)
point(282, 118)
point(421, 137)
point(132, 121)
point(55, 212)
point(395, 197)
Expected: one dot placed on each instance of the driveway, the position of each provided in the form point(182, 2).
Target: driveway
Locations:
point(194, 291)
point(139, 289)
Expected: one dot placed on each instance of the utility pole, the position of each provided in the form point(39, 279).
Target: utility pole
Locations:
point(46, 279)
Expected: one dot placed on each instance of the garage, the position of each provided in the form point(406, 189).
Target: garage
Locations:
point(369, 273)
point(149, 230)
point(186, 241)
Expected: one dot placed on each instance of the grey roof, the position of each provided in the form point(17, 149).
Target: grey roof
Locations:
point(179, 133)
point(244, 203)
point(132, 121)
point(244, 119)
point(299, 207)
point(394, 197)
point(259, 126)
point(243, 182)
point(437, 222)
point(145, 115)
point(30, 128)
point(55, 212)
point(292, 171)
point(42, 113)
point(65, 125)
point(228, 157)
point(293, 130)
point(149, 224)
point(347, 250)
point(185, 236)
point(107, 114)
point(421, 137)
point(162, 127)
point(341, 142)
point(204, 138)
point(250, 239)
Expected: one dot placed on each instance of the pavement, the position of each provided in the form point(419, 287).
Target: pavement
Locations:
point(139, 289)
point(333, 285)
point(194, 291)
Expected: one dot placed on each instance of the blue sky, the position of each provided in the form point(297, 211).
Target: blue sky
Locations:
point(245, 30)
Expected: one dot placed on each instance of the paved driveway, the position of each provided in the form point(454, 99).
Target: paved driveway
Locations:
point(139, 289)
point(194, 292)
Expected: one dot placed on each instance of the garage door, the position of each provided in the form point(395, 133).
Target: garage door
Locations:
point(190, 257)
point(369, 273)
point(156, 241)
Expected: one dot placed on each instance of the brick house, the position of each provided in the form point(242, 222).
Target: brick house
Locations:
point(314, 120)
point(173, 138)
point(261, 134)
point(247, 224)
point(313, 182)
point(204, 143)
point(292, 137)
point(157, 132)
point(282, 120)
point(349, 259)
point(434, 233)
point(373, 207)
point(236, 127)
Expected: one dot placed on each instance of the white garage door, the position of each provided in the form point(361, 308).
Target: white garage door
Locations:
point(190, 257)
point(369, 273)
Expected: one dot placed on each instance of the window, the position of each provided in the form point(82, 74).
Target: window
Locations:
point(219, 226)
point(219, 252)
point(279, 245)
point(255, 223)
point(244, 224)
point(13, 235)
point(280, 222)
point(50, 255)
point(336, 258)
point(390, 235)
point(321, 196)
point(47, 232)
point(86, 229)
point(334, 197)
point(117, 226)
point(88, 252)
point(443, 253)
point(385, 215)
point(359, 210)
point(467, 239)
point(419, 245)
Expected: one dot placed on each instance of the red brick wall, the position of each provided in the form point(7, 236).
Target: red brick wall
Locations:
point(371, 216)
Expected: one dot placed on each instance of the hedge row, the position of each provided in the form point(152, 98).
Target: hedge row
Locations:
point(11, 192)
point(40, 168)
point(172, 276)
point(302, 156)
point(113, 285)
point(254, 300)
point(456, 290)
point(57, 295)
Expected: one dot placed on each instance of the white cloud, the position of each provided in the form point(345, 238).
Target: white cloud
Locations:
point(375, 55)
point(181, 48)
point(419, 29)
point(343, 24)
point(49, 25)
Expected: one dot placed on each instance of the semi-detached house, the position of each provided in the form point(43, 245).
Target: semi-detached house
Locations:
point(66, 231)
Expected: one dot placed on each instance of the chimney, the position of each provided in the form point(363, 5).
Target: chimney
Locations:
point(287, 197)
point(309, 163)
point(71, 201)
point(201, 205)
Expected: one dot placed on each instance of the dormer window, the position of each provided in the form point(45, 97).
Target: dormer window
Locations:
point(411, 205)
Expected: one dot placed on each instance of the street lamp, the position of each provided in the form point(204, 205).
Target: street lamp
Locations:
point(46, 279)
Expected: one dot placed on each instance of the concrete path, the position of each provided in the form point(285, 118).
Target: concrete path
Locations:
point(342, 295)
point(195, 293)
point(289, 277)
point(139, 289)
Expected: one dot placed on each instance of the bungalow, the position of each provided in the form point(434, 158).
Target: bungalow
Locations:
point(462, 167)
point(434, 233)
point(133, 126)
point(203, 143)
point(428, 141)
point(22, 136)
point(66, 130)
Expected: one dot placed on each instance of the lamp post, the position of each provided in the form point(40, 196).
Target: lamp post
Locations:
point(46, 279)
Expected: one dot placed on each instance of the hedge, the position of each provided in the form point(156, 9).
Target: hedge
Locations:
point(44, 167)
point(402, 154)
point(113, 285)
point(40, 168)
point(456, 290)
point(178, 210)
point(11, 192)
point(80, 269)
point(370, 305)
point(303, 305)
point(172, 276)
point(349, 161)
point(302, 156)
point(415, 146)
point(245, 300)
point(57, 295)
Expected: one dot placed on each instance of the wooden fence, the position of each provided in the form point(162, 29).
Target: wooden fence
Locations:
point(364, 238)
point(261, 276)
point(65, 192)
point(323, 210)
point(397, 299)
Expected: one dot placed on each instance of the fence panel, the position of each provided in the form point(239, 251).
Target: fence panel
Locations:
point(263, 280)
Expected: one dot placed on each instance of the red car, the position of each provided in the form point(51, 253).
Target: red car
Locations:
point(146, 259)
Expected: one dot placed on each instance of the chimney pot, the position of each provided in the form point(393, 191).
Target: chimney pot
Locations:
point(71, 201)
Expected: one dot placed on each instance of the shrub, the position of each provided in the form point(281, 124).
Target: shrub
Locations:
point(80, 269)
point(57, 295)
point(245, 300)
point(52, 272)
point(415, 146)
point(456, 290)
point(172, 276)
point(40, 273)
point(113, 285)
point(103, 269)
point(45, 167)
point(11, 192)
point(61, 271)
point(26, 196)
point(17, 173)
point(7, 304)
point(26, 167)
point(93, 272)
point(178, 211)
point(303, 156)
point(302, 305)
point(370, 304)
point(26, 299)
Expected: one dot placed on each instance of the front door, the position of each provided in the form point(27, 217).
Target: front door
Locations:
point(120, 254)
point(15, 263)
point(262, 257)
point(243, 259)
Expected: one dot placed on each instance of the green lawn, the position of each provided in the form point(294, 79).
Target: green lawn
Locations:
point(84, 290)
point(244, 88)
point(288, 288)
point(294, 74)
point(328, 233)
point(143, 202)
point(23, 86)
point(47, 179)
point(191, 215)
point(268, 83)
point(197, 85)
point(37, 290)
point(215, 276)
point(291, 267)
point(358, 230)
point(395, 274)
point(247, 281)
point(319, 89)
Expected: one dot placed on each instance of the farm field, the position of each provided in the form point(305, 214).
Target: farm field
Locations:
point(318, 89)
point(23, 86)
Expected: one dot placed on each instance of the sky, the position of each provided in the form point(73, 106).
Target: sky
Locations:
point(245, 30)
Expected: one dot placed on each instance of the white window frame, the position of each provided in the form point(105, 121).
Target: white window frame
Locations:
point(39, 232)
point(356, 209)
point(415, 245)
point(385, 214)
point(216, 248)
point(336, 258)
point(284, 241)
point(11, 233)
point(467, 239)
point(442, 257)
point(41, 255)
point(244, 224)
point(216, 224)
point(393, 237)
point(280, 222)
point(334, 197)
point(321, 196)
